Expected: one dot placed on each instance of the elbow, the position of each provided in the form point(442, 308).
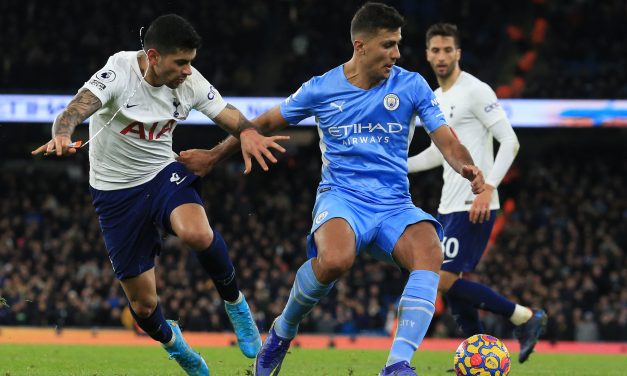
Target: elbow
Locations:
point(515, 147)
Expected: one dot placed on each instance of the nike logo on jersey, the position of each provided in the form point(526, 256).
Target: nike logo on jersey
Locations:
point(182, 180)
point(131, 105)
point(337, 105)
point(445, 261)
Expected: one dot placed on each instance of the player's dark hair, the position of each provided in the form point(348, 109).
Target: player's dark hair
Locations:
point(374, 16)
point(169, 33)
point(444, 30)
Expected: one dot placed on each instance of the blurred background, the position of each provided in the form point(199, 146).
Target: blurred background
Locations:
point(561, 236)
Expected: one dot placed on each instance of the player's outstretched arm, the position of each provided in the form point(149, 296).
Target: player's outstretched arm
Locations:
point(251, 141)
point(458, 157)
point(425, 160)
point(82, 106)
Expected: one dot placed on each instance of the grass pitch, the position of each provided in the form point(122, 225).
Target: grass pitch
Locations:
point(83, 360)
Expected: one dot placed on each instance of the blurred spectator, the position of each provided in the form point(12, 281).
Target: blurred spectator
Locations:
point(256, 47)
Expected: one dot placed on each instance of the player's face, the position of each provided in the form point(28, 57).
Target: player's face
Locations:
point(381, 52)
point(442, 55)
point(172, 69)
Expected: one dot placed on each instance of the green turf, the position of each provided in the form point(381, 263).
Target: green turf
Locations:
point(69, 360)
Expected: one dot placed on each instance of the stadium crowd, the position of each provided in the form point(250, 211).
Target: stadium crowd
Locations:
point(256, 47)
point(562, 248)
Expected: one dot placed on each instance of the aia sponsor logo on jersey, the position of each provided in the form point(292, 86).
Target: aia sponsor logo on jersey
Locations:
point(155, 131)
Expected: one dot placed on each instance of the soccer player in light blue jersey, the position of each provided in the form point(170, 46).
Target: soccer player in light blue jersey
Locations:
point(366, 111)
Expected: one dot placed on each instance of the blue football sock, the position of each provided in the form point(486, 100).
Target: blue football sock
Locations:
point(415, 311)
point(217, 263)
point(481, 297)
point(305, 294)
point(154, 325)
point(466, 316)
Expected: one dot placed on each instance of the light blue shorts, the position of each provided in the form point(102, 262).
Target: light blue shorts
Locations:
point(377, 226)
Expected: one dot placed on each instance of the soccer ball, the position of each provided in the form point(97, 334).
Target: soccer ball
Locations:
point(482, 355)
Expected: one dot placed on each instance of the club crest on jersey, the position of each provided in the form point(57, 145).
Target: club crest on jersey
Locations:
point(321, 217)
point(176, 103)
point(106, 75)
point(391, 102)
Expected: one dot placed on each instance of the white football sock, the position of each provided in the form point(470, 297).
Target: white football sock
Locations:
point(521, 315)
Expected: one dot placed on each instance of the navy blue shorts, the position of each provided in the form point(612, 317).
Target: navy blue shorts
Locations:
point(464, 242)
point(131, 219)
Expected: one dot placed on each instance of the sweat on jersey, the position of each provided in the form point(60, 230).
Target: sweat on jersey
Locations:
point(365, 134)
point(471, 108)
point(138, 143)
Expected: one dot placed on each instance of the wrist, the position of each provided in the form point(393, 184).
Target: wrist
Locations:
point(248, 130)
point(488, 187)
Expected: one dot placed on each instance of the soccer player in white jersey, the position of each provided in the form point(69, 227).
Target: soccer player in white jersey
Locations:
point(138, 187)
point(472, 110)
point(366, 111)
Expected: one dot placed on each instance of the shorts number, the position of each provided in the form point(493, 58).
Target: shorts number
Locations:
point(450, 247)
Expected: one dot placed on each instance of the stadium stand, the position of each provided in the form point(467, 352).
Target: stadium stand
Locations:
point(564, 229)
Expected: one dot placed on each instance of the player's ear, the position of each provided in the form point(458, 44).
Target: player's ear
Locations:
point(358, 45)
point(153, 56)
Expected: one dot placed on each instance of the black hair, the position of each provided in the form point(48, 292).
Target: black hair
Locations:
point(445, 30)
point(374, 16)
point(169, 33)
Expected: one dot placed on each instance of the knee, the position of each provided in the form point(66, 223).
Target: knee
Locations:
point(335, 265)
point(144, 307)
point(434, 255)
point(426, 257)
point(197, 239)
point(447, 279)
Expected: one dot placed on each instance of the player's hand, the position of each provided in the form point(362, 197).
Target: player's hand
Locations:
point(258, 146)
point(198, 161)
point(59, 145)
point(480, 209)
point(475, 176)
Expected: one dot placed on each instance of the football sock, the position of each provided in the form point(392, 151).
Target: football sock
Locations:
point(217, 263)
point(521, 315)
point(305, 294)
point(481, 297)
point(465, 315)
point(415, 311)
point(154, 325)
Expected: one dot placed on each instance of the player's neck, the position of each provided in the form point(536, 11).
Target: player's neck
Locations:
point(358, 77)
point(448, 82)
point(142, 61)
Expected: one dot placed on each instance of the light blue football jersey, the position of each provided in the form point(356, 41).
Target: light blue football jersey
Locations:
point(365, 134)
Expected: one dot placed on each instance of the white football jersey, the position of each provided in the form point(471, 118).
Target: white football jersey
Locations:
point(471, 108)
point(138, 143)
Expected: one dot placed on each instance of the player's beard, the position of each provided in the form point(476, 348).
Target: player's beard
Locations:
point(447, 73)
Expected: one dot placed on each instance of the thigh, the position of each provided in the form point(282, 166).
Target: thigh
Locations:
point(419, 248)
point(335, 239)
point(344, 218)
point(175, 186)
point(131, 239)
point(395, 224)
point(464, 242)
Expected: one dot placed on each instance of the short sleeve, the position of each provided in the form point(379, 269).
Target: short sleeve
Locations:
point(207, 99)
point(107, 83)
point(485, 105)
point(299, 105)
point(427, 106)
